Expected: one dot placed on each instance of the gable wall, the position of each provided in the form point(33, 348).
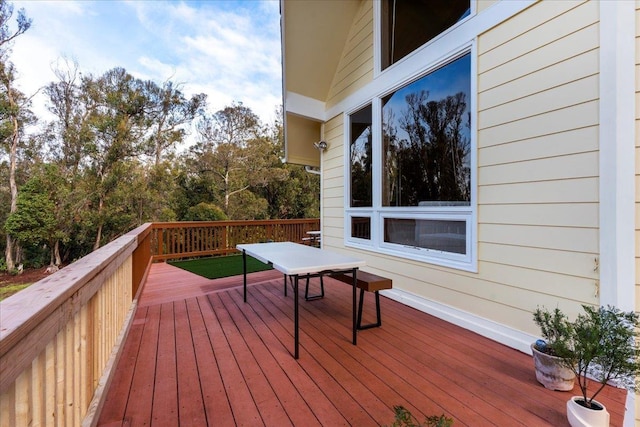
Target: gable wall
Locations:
point(537, 186)
point(355, 68)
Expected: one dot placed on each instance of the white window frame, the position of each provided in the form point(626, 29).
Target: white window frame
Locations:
point(419, 63)
point(377, 38)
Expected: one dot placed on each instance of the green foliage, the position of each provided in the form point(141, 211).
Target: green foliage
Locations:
point(555, 328)
point(7, 291)
point(205, 212)
point(404, 418)
point(108, 164)
point(603, 345)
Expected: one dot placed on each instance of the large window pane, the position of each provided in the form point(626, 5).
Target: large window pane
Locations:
point(408, 24)
point(440, 235)
point(360, 153)
point(426, 140)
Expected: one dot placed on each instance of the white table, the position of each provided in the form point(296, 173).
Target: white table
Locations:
point(294, 260)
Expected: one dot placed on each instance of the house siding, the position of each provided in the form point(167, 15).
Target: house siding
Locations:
point(355, 68)
point(538, 186)
point(333, 183)
point(637, 183)
point(537, 159)
point(538, 173)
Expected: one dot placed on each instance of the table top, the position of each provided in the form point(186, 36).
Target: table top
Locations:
point(293, 258)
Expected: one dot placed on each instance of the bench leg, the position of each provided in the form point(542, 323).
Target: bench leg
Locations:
point(314, 297)
point(378, 317)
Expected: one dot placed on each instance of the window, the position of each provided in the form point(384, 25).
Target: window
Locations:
point(408, 24)
point(426, 140)
point(360, 157)
point(410, 192)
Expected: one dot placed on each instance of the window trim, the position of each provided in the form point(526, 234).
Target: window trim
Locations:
point(379, 212)
point(377, 38)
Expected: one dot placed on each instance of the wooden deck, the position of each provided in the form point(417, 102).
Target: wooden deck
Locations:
point(198, 355)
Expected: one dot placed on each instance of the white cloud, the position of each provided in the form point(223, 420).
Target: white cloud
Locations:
point(228, 50)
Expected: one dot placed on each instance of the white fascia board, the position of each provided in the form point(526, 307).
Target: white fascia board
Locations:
point(617, 154)
point(304, 106)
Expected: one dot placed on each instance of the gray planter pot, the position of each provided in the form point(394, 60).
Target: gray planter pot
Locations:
point(551, 373)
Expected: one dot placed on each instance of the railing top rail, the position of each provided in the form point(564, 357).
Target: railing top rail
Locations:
point(26, 310)
point(185, 224)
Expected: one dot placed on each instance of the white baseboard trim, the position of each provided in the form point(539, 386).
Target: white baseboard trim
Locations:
point(487, 328)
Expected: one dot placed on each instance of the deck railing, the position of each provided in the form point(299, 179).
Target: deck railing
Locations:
point(193, 239)
point(60, 338)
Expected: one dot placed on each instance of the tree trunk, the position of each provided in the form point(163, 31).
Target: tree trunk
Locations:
point(96, 245)
point(56, 253)
point(8, 254)
point(13, 158)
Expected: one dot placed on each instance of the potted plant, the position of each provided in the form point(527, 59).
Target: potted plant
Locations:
point(551, 372)
point(602, 347)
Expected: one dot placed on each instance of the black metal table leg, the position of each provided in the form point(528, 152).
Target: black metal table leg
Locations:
point(355, 285)
point(244, 273)
point(295, 316)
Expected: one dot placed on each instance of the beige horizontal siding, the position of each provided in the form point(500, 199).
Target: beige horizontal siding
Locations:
point(564, 120)
point(537, 154)
point(567, 95)
point(547, 214)
point(580, 165)
point(538, 160)
point(565, 191)
point(573, 141)
point(578, 67)
point(637, 198)
point(517, 25)
point(573, 239)
point(355, 68)
point(333, 183)
point(548, 30)
point(545, 56)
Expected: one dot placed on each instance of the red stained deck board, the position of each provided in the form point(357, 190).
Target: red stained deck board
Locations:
point(279, 383)
point(296, 386)
point(217, 407)
point(165, 393)
point(141, 394)
point(232, 363)
point(190, 402)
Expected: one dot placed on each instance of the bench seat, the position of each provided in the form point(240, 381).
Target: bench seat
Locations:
point(369, 282)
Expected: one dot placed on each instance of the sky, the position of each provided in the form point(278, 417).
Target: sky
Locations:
point(229, 50)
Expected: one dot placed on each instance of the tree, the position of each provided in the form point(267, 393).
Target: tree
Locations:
point(14, 111)
point(169, 113)
point(117, 106)
point(6, 34)
point(35, 222)
point(223, 150)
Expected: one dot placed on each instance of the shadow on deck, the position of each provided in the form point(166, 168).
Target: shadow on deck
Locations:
point(198, 355)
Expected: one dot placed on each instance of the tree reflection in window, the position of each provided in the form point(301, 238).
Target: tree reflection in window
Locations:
point(426, 139)
point(360, 153)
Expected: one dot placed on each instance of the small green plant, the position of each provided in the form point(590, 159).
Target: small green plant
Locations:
point(603, 345)
point(404, 418)
point(555, 328)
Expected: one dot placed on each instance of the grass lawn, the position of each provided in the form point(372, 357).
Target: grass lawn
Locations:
point(7, 291)
point(223, 266)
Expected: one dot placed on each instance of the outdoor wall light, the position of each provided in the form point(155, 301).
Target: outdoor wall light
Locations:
point(322, 145)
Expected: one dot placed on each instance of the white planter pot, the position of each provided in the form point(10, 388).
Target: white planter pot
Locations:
point(579, 416)
point(551, 373)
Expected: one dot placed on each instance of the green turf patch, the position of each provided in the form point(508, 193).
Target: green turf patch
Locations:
point(222, 266)
point(7, 291)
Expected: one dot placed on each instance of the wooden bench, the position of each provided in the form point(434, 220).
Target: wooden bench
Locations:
point(366, 282)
